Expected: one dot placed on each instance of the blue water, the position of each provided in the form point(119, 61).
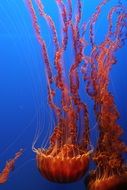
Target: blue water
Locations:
point(23, 93)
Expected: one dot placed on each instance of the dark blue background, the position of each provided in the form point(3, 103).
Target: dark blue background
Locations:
point(23, 93)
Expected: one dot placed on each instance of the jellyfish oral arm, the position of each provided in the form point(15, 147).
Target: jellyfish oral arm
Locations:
point(9, 167)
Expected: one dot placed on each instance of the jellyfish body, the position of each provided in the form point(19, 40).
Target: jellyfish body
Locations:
point(66, 159)
point(63, 166)
point(114, 182)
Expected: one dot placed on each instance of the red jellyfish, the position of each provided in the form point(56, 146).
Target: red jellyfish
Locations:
point(67, 157)
point(9, 167)
point(110, 172)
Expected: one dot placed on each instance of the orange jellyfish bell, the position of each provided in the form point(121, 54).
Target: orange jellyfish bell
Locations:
point(68, 164)
point(114, 182)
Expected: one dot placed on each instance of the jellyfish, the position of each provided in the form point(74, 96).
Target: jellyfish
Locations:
point(67, 157)
point(110, 172)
